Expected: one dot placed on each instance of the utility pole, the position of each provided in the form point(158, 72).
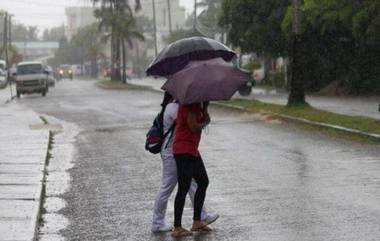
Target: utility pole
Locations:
point(5, 37)
point(195, 14)
point(297, 88)
point(169, 17)
point(9, 46)
point(154, 27)
point(5, 44)
point(9, 34)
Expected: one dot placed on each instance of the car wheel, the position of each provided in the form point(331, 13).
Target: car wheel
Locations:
point(18, 94)
point(44, 93)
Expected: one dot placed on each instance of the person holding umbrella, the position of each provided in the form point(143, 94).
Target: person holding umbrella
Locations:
point(198, 70)
point(191, 119)
point(169, 172)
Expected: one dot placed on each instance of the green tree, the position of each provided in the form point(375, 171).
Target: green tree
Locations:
point(341, 43)
point(89, 40)
point(125, 31)
point(255, 25)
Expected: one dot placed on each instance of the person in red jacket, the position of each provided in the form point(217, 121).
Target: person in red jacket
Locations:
point(191, 119)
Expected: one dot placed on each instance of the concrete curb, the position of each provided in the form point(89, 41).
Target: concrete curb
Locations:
point(43, 187)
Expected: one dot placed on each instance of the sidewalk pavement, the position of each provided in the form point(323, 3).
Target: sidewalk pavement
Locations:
point(22, 162)
point(353, 106)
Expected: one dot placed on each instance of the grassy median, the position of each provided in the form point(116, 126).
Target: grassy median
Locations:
point(363, 124)
point(117, 85)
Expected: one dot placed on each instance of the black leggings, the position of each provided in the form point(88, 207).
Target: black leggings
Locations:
point(189, 167)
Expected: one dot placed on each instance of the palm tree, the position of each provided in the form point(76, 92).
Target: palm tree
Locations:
point(108, 9)
point(125, 31)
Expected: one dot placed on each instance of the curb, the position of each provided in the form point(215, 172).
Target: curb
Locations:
point(305, 121)
point(43, 186)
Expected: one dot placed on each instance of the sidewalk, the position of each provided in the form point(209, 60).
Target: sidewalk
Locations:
point(22, 162)
point(353, 106)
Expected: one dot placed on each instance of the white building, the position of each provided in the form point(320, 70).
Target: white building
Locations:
point(78, 17)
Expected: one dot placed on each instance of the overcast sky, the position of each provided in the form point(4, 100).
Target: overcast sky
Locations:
point(49, 13)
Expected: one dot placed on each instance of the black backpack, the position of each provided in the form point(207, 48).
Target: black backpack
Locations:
point(156, 136)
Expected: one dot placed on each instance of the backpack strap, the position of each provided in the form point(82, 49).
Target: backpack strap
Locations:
point(171, 131)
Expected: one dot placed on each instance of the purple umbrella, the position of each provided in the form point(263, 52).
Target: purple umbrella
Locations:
point(205, 81)
point(178, 54)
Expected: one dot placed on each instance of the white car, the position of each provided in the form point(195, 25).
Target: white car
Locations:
point(3, 78)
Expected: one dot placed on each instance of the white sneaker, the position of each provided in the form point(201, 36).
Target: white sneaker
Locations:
point(165, 228)
point(211, 218)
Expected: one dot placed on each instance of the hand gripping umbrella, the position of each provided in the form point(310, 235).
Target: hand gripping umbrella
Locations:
point(205, 81)
point(178, 54)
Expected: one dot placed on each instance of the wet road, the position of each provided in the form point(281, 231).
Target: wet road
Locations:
point(268, 181)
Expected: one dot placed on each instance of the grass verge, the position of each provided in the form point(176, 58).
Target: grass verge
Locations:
point(362, 124)
point(117, 85)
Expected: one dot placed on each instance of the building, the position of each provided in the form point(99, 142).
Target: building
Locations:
point(78, 17)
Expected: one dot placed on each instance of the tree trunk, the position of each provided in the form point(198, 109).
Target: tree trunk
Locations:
point(124, 62)
point(137, 68)
point(297, 88)
point(113, 58)
point(94, 67)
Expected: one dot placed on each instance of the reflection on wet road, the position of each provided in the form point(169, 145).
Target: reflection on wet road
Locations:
point(267, 181)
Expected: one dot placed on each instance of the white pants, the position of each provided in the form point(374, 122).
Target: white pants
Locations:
point(168, 183)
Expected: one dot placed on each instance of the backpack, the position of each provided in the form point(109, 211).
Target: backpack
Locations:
point(156, 136)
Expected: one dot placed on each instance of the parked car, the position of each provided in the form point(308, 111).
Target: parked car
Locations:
point(3, 67)
point(31, 77)
point(3, 78)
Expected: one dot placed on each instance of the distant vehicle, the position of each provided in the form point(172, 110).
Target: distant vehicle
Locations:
point(65, 72)
point(3, 78)
point(51, 78)
point(31, 77)
point(3, 67)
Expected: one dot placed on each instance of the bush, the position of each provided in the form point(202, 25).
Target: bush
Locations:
point(252, 65)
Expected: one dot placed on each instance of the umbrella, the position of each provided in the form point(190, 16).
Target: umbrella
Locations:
point(178, 54)
point(205, 81)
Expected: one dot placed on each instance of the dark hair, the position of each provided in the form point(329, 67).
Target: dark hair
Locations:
point(167, 99)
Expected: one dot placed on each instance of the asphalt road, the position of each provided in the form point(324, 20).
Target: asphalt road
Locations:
point(268, 180)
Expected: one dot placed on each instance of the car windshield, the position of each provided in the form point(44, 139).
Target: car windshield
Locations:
point(29, 69)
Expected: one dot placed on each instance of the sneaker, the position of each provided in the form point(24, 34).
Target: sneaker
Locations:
point(211, 218)
point(165, 228)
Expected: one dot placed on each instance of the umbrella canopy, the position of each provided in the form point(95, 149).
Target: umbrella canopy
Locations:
point(205, 81)
point(178, 54)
